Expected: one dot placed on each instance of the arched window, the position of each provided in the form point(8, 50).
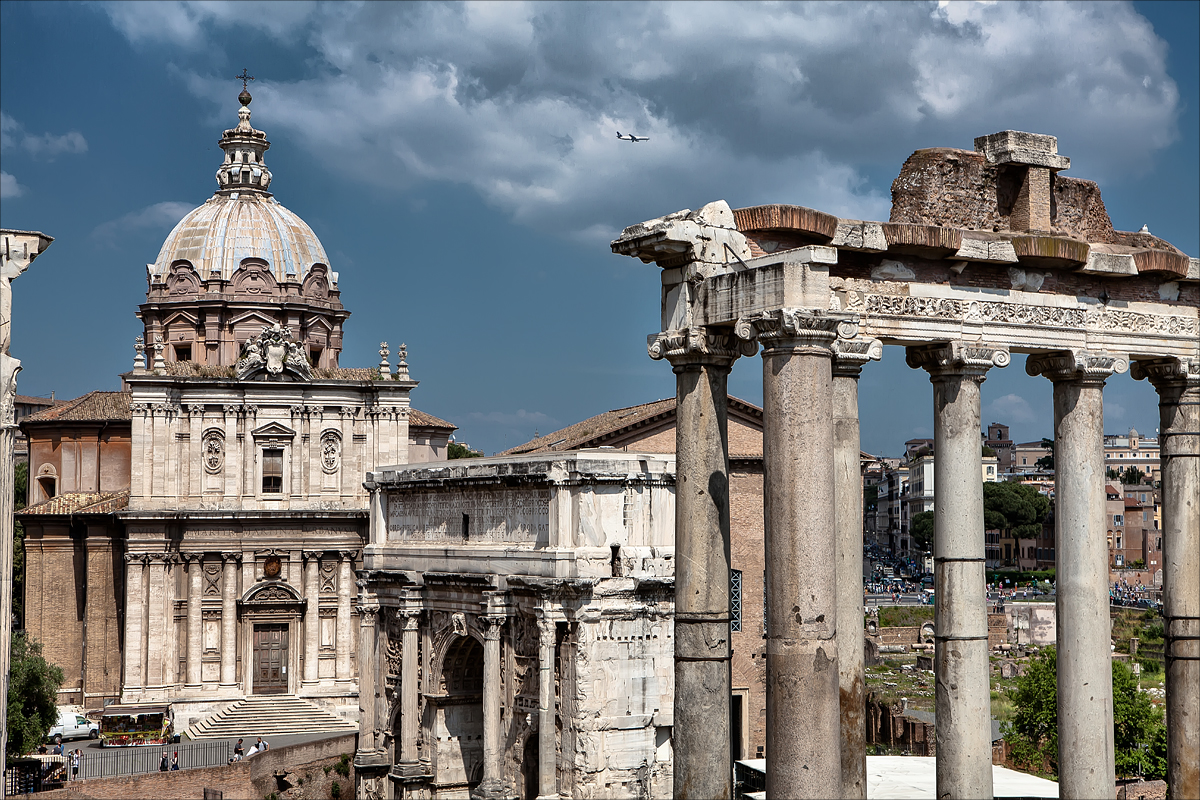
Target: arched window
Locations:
point(462, 668)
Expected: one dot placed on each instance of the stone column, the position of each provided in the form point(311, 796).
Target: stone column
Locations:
point(849, 356)
point(1178, 385)
point(547, 751)
point(368, 663)
point(803, 706)
point(312, 618)
point(134, 631)
point(229, 620)
point(345, 581)
point(493, 786)
point(703, 682)
point(961, 669)
point(195, 624)
point(1085, 710)
point(410, 691)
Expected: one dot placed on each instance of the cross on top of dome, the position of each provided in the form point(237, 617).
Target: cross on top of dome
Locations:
point(244, 169)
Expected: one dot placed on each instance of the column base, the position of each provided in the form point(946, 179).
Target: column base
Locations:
point(372, 760)
point(495, 789)
point(410, 769)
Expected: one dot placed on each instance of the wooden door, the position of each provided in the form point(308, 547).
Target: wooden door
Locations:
point(270, 659)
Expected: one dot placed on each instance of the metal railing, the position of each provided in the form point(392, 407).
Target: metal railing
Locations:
point(112, 762)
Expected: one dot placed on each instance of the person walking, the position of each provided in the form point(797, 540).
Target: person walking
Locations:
point(175, 762)
point(261, 745)
point(238, 751)
point(164, 764)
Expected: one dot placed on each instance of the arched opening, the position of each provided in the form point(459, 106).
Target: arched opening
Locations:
point(459, 720)
point(529, 766)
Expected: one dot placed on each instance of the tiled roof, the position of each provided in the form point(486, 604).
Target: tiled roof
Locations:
point(594, 431)
point(81, 503)
point(423, 420)
point(24, 399)
point(92, 407)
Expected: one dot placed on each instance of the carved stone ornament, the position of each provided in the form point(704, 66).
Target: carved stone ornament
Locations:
point(272, 566)
point(699, 343)
point(331, 451)
point(972, 360)
point(796, 326)
point(1076, 365)
point(272, 593)
point(849, 355)
point(214, 452)
point(273, 351)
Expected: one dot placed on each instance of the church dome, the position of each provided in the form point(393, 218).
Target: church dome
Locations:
point(242, 220)
point(232, 226)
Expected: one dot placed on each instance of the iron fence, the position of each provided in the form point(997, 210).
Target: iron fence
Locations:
point(49, 772)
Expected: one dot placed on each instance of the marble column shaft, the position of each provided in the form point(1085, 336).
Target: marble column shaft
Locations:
point(345, 581)
point(961, 667)
point(1085, 705)
point(195, 623)
point(703, 680)
point(849, 357)
point(409, 688)
point(368, 659)
point(312, 618)
point(1178, 385)
point(229, 622)
point(547, 751)
point(492, 690)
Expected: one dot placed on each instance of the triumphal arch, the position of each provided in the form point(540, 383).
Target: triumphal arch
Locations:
point(988, 252)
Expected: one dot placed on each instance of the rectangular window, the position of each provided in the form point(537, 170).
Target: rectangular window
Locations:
point(1118, 519)
point(183, 352)
point(735, 600)
point(272, 471)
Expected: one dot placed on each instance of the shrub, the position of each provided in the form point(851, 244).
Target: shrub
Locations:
point(343, 766)
point(335, 790)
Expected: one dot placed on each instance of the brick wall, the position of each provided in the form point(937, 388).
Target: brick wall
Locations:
point(746, 554)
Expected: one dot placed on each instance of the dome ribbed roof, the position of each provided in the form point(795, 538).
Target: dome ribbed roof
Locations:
point(230, 227)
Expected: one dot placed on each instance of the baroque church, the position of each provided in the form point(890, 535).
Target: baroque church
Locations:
point(194, 537)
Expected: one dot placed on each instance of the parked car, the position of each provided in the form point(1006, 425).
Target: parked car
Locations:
point(72, 725)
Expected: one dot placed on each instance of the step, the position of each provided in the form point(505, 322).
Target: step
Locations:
point(269, 716)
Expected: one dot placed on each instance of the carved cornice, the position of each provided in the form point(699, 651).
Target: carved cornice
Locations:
point(957, 358)
point(849, 355)
point(1168, 371)
point(698, 345)
point(1076, 365)
point(796, 327)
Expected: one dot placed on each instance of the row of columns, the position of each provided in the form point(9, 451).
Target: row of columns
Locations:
point(811, 363)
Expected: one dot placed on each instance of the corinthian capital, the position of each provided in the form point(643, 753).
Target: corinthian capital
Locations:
point(1169, 370)
point(698, 344)
point(967, 359)
point(1076, 365)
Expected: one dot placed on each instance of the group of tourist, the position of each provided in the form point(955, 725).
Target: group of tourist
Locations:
point(239, 752)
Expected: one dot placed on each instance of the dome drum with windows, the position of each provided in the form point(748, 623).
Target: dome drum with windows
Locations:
point(239, 263)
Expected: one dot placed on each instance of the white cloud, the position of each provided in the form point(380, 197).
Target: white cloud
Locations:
point(752, 103)
point(1012, 410)
point(9, 187)
point(161, 216)
point(46, 145)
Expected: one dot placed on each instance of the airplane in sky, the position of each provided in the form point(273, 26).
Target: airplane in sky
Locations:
point(631, 138)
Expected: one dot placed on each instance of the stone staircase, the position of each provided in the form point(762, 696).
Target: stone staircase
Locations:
point(274, 715)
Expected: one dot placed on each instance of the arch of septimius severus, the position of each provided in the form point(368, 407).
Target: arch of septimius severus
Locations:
point(988, 252)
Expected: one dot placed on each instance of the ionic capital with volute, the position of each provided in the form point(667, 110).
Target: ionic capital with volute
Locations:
point(1081, 366)
point(849, 355)
point(698, 345)
point(796, 329)
point(957, 359)
point(1169, 371)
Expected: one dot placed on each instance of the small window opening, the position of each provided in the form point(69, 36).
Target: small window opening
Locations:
point(315, 355)
point(615, 561)
point(272, 475)
point(183, 352)
point(49, 486)
point(466, 526)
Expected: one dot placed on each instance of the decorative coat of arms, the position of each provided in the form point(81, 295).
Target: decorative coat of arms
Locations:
point(331, 451)
point(214, 452)
point(273, 351)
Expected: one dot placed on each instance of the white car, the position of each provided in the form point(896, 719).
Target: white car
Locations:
point(72, 725)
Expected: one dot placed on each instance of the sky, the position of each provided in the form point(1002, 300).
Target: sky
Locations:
point(460, 165)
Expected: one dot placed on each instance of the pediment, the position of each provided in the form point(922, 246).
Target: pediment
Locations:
point(254, 278)
point(273, 430)
point(256, 317)
point(181, 316)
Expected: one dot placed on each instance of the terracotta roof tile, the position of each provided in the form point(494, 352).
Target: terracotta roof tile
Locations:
point(423, 420)
point(81, 503)
point(92, 407)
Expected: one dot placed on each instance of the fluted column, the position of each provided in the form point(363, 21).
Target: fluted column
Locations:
point(547, 752)
point(409, 689)
point(229, 620)
point(961, 669)
point(135, 609)
point(701, 360)
point(803, 706)
point(312, 618)
point(1085, 706)
point(368, 662)
point(1178, 385)
point(195, 623)
point(345, 582)
point(849, 357)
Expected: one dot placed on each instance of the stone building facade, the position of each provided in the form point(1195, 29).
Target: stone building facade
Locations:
point(516, 628)
point(194, 538)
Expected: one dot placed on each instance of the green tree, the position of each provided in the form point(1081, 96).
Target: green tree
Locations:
point(20, 484)
point(1112, 474)
point(456, 450)
point(1014, 508)
point(921, 530)
point(1132, 476)
point(1046, 462)
point(32, 693)
point(1139, 734)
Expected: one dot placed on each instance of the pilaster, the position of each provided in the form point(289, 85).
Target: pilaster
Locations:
point(229, 596)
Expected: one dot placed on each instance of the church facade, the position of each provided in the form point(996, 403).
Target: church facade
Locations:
point(194, 538)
